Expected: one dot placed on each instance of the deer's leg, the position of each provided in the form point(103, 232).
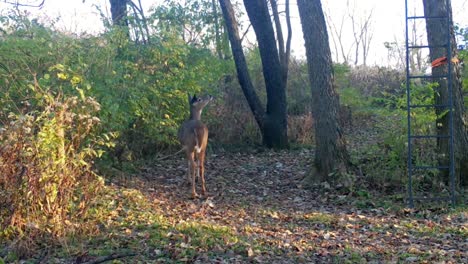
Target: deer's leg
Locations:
point(192, 168)
point(189, 167)
point(198, 169)
point(201, 170)
point(189, 171)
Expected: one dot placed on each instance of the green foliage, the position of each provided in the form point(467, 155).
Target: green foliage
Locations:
point(46, 182)
point(383, 106)
point(463, 54)
point(353, 98)
point(386, 161)
point(68, 102)
point(298, 93)
point(341, 74)
point(462, 41)
point(193, 21)
point(142, 89)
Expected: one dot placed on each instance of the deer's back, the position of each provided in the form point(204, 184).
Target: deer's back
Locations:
point(193, 133)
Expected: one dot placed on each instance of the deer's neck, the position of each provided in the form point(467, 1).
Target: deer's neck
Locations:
point(195, 115)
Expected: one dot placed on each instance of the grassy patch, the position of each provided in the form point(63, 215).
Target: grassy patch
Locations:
point(325, 219)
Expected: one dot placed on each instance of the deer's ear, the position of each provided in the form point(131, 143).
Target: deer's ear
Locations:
point(194, 99)
point(189, 98)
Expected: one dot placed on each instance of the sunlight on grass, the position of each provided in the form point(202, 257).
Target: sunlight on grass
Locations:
point(126, 220)
point(321, 218)
point(125, 208)
point(208, 234)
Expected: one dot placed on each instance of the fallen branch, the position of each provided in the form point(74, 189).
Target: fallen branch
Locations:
point(111, 257)
point(171, 155)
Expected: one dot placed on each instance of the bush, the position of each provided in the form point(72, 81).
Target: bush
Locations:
point(142, 89)
point(46, 178)
point(377, 81)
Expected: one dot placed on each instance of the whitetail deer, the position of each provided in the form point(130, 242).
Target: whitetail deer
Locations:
point(193, 135)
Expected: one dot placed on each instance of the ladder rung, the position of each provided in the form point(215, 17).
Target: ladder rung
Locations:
point(427, 106)
point(430, 167)
point(427, 17)
point(430, 136)
point(427, 46)
point(428, 76)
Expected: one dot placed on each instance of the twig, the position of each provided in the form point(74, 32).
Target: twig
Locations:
point(17, 3)
point(111, 257)
point(171, 155)
point(245, 33)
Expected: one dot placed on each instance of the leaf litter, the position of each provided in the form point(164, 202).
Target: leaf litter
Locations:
point(259, 199)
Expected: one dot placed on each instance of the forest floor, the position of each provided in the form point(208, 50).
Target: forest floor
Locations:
point(258, 211)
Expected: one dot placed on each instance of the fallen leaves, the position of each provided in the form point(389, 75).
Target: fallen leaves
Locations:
point(257, 211)
point(260, 197)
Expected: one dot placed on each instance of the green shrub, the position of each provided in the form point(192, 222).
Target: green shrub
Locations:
point(46, 178)
point(142, 89)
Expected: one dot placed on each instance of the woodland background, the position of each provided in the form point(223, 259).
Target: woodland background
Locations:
point(85, 118)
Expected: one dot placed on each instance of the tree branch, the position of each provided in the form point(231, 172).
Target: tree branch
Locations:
point(111, 257)
point(17, 3)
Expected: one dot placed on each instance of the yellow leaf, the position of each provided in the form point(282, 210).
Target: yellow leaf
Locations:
point(82, 95)
point(62, 76)
point(75, 80)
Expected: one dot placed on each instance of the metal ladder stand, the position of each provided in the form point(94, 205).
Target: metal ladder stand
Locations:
point(448, 106)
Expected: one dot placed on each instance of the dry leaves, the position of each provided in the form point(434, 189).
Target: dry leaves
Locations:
point(260, 196)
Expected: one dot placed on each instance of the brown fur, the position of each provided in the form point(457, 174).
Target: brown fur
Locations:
point(193, 136)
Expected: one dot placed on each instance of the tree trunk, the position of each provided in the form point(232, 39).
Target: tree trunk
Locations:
point(276, 125)
point(219, 49)
point(119, 12)
point(284, 50)
point(241, 64)
point(331, 154)
point(273, 122)
point(437, 35)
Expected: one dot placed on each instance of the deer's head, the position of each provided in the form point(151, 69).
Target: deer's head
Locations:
point(197, 104)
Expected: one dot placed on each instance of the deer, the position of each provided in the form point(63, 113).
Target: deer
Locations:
point(193, 136)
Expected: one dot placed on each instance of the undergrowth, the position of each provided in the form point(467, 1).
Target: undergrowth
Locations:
point(47, 183)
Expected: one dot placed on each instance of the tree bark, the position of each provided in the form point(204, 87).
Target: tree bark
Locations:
point(219, 49)
point(273, 121)
point(241, 64)
point(276, 126)
point(331, 154)
point(437, 35)
point(284, 50)
point(119, 12)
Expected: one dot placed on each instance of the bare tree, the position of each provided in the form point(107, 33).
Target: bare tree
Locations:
point(331, 154)
point(437, 36)
point(243, 74)
point(218, 45)
point(37, 3)
point(395, 53)
point(284, 50)
point(275, 59)
point(140, 24)
point(338, 37)
point(417, 56)
point(362, 34)
point(367, 35)
point(360, 28)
